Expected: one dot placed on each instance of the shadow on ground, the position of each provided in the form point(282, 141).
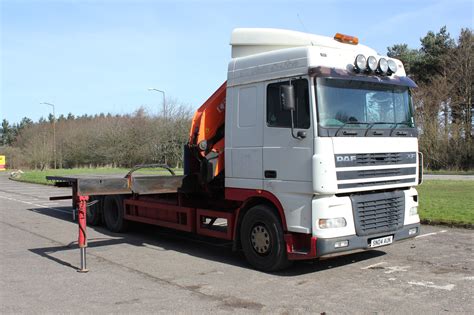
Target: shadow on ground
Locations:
point(163, 239)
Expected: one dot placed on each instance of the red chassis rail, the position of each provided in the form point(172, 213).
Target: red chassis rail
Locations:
point(176, 214)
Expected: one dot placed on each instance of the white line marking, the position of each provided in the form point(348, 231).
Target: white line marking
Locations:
point(430, 284)
point(468, 278)
point(374, 265)
point(36, 205)
point(396, 268)
point(429, 234)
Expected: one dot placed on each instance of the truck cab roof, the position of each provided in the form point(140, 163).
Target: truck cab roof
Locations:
point(266, 54)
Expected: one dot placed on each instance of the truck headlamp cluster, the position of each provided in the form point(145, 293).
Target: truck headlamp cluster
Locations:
point(332, 223)
point(370, 64)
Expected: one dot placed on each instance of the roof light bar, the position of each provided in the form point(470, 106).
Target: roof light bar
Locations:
point(383, 66)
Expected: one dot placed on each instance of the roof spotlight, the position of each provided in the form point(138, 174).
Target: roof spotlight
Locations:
point(392, 66)
point(360, 63)
point(372, 63)
point(383, 65)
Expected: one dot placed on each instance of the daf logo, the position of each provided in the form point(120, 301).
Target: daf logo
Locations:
point(346, 158)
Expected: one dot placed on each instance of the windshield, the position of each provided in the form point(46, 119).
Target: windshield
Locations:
point(359, 104)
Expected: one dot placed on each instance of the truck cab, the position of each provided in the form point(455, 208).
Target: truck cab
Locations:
point(342, 160)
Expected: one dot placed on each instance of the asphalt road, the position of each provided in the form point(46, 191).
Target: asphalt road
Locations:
point(448, 177)
point(156, 270)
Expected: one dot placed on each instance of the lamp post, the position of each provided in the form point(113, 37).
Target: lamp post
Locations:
point(54, 130)
point(164, 100)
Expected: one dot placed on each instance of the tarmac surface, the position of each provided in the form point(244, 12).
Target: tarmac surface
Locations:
point(151, 270)
point(448, 177)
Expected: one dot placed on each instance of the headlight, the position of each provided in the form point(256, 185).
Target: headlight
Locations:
point(392, 66)
point(372, 63)
point(413, 211)
point(332, 223)
point(360, 63)
point(383, 65)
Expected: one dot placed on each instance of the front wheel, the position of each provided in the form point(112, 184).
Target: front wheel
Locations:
point(262, 239)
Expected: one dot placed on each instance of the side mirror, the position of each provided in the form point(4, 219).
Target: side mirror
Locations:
point(287, 97)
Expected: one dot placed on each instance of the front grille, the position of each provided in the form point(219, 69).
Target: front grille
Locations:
point(374, 159)
point(378, 158)
point(386, 172)
point(378, 183)
point(378, 213)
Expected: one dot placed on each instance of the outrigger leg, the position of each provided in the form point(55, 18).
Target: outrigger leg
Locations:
point(82, 241)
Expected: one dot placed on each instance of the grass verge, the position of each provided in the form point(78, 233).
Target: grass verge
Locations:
point(39, 177)
point(447, 202)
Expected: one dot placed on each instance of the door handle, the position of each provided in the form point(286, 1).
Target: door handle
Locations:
point(270, 174)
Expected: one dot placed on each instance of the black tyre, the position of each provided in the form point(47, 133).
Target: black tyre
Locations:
point(94, 212)
point(113, 214)
point(263, 243)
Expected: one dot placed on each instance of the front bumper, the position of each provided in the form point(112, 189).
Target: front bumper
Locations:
point(305, 246)
point(326, 246)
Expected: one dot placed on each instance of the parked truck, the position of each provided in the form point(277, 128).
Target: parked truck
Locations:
point(308, 149)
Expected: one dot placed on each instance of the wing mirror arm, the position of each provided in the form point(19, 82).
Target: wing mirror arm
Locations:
point(287, 101)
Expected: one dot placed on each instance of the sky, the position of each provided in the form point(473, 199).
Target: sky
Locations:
point(100, 56)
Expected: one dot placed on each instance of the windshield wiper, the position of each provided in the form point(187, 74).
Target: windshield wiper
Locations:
point(406, 123)
point(386, 123)
point(376, 123)
point(350, 123)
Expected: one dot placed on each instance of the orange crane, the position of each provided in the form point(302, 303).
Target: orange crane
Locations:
point(206, 136)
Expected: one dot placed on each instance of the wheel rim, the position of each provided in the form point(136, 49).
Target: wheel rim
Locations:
point(260, 239)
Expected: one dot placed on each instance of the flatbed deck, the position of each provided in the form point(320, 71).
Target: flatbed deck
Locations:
point(90, 185)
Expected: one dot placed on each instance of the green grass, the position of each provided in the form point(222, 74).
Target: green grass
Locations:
point(447, 202)
point(39, 177)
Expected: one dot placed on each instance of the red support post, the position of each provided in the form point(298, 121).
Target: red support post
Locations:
point(82, 222)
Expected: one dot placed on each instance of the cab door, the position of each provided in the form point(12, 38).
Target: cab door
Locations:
point(286, 158)
point(287, 161)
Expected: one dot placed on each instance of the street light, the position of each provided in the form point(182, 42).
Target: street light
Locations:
point(54, 130)
point(164, 100)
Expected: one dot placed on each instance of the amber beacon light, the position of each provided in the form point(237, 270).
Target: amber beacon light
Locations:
point(346, 39)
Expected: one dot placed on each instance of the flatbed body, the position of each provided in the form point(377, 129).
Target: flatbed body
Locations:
point(101, 185)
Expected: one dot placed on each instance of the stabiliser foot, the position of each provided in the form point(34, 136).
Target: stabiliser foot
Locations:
point(83, 268)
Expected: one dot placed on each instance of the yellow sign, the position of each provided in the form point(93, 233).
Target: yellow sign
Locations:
point(2, 163)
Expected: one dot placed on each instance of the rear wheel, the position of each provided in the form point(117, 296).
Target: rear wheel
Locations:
point(113, 214)
point(262, 239)
point(94, 212)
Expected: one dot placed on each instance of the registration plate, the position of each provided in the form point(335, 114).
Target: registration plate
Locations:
point(381, 241)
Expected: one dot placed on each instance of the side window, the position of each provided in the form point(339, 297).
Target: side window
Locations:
point(277, 117)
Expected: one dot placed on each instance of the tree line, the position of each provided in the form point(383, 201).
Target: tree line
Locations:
point(99, 140)
point(441, 66)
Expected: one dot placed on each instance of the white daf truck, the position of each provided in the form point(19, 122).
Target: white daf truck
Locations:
point(309, 149)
